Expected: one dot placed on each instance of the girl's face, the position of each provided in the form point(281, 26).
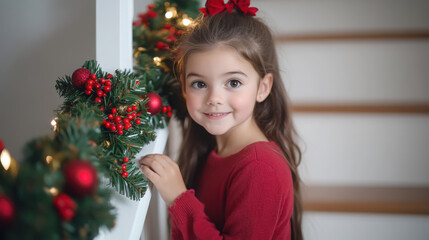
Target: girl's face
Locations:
point(221, 90)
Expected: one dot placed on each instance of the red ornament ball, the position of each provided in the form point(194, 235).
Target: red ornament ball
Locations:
point(7, 211)
point(81, 178)
point(80, 76)
point(154, 106)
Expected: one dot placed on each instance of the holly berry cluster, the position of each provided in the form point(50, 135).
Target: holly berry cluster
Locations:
point(124, 167)
point(172, 35)
point(65, 206)
point(145, 17)
point(117, 124)
point(167, 110)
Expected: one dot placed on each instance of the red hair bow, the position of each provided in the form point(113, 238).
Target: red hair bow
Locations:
point(214, 7)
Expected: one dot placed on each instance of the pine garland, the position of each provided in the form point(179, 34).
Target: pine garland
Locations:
point(124, 103)
point(37, 188)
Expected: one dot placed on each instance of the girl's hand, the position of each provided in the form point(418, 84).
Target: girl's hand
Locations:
point(165, 175)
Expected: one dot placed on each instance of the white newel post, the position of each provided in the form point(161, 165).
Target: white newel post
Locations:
point(114, 51)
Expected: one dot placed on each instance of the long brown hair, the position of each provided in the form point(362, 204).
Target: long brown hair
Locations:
point(253, 40)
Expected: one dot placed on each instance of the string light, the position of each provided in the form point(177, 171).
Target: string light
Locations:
point(5, 159)
point(49, 159)
point(186, 21)
point(53, 191)
point(54, 123)
point(171, 12)
point(157, 61)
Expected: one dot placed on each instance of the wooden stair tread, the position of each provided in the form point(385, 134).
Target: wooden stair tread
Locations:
point(360, 199)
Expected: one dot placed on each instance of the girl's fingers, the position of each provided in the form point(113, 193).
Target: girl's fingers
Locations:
point(151, 158)
point(151, 175)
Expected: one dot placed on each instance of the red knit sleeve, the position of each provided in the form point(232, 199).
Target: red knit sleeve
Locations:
point(189, 220)
point(258, 206)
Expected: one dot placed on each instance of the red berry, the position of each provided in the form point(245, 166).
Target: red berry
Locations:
point(126, 120)
point(137, 82)
point(110, 116)
point(134, 108)
point(152, 14)
point(107, 125)
point(108, 83)
point(88, 87)
point(113, 111)
point(139, 114)
point(130, 116)
point(90, 82)
point(98, 100)
point(134, 114)
point(129, 109)
point(125, 174)
point(120, 132)
point(169, 114)
point(93, 76)
point(162, 46)
point(88, 92)
point(120, 126)
point(109, 76)
point(168, 108)
point(118, 119)
point(164, 109)
point(124, 167)
point(112, 128)
point(107, 88)
point(102, 108)
point(102, 80)
point(100, 93)
point(126, 159)
point(97, 86)
point(128, 126)
point(138, 121)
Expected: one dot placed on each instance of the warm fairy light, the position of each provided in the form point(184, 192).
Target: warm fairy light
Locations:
point(186, 21)
point(171, 12)
point(49, 159)
point(54, 123)
point(157, 61)
point(5, 159)
point(168, 15)
point(53, 191)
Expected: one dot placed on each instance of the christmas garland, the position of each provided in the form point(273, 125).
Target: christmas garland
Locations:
point(127, 115)
point(54, 193)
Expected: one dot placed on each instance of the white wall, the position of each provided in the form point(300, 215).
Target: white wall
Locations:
point(357, 149)
point(39, 42)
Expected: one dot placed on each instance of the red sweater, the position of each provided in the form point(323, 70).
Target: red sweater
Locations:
point(248, 195)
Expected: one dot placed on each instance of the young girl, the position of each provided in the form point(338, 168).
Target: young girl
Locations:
point(238, 175)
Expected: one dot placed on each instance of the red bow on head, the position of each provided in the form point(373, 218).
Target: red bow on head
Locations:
point(214, 7)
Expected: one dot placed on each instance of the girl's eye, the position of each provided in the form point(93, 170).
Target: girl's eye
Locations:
point(234, 83)
point(198, 85)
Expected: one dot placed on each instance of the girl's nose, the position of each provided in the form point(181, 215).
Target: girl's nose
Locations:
point(214, 97)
